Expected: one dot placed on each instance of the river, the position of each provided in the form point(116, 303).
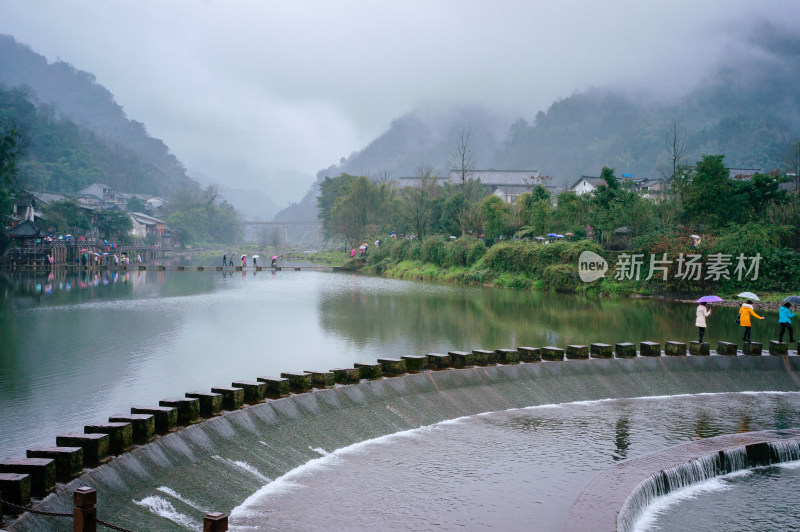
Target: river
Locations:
point(78, 347)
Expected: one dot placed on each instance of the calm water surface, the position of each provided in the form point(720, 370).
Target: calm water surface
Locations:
point(76, 348)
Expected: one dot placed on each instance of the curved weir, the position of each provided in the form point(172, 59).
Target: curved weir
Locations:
point(616, 498)
point(217, 463)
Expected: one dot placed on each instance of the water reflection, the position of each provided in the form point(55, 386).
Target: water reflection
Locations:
point(470, 317)
point(622, 438)
point(25, 290)
point(79, 345)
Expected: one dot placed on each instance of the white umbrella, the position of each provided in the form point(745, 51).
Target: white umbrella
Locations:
point(255, 256)
point(694, 236)
point(748, 295)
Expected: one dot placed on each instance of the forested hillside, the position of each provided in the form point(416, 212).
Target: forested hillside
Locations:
point(77, 133)
point(747, 109)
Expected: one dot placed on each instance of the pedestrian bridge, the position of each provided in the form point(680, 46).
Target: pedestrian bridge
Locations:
point(172, 267)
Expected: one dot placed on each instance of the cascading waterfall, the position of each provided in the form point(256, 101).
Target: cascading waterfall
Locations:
point(784, 451)
point(695, 471)
point(218, 463)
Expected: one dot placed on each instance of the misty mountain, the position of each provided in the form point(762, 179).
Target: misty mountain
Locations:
point(424, 137)
point(252, 205)
point(117, 150)
point(747, 109)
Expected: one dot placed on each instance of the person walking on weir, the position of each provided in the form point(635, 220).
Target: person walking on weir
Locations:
point(745, 312)
point(785, 316)
point(700, 321)
point(224, 259)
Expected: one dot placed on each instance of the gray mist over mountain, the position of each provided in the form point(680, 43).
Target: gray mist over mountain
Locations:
point(260, 96)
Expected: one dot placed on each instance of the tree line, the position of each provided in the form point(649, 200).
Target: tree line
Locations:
point(699, 198)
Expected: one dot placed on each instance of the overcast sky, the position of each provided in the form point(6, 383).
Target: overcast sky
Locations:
point(254, 93)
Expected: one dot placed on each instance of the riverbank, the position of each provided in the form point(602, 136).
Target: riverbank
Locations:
point(555, 267)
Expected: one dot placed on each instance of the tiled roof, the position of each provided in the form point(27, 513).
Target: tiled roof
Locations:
point(502, 177)
point(742, 173)
point(46, 197)
point(26, 229)
point(594, 181)
point(146, 219)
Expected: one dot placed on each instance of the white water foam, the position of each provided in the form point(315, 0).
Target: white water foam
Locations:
point(164, 508)
point(662, 504)
point(175, 495)
point(319, 450)
point(243, 466)
point(290, 480)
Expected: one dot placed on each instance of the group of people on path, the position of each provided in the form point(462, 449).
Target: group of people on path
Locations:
point(746, 312)
point(226, 262)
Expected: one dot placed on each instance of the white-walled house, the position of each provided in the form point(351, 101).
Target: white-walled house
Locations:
point(586, 185)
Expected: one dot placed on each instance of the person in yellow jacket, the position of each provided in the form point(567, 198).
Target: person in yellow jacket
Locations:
point(745, 312)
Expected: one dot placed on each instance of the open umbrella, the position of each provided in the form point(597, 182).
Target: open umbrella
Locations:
point(243, 256)
point(570, 234)
point(794, 300)
point(694, 236)
point(84, 250)
point(748, 295)
point(255, 256)
point(552, 235)
point(709, 299)
point(559, 236)
point(539, 238)
point(274, 257)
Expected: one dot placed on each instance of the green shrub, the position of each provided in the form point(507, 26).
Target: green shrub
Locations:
point(434, 249)
point(562, 277)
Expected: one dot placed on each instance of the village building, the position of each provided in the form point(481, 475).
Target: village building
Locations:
point(648, 188)
point(505, 184)
point(145, 225)
point(100, 196)
point(586, 185)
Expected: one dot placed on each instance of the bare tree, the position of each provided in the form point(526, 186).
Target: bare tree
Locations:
point(381, 176)
point(676, 147)
point(416, 207)
point(211, 193)
point(462, 160)
point(464, 164)
point(791, 159)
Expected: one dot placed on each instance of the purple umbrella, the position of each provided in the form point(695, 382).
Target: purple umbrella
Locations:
point(709, 299)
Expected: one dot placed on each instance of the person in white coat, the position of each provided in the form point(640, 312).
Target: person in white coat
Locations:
point(700, 322)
